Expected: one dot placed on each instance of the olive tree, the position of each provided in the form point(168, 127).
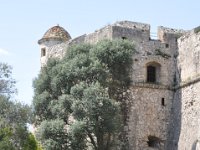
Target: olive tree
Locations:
point(74, 102)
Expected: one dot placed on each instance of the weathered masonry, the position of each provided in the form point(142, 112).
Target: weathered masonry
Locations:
point(163, 100)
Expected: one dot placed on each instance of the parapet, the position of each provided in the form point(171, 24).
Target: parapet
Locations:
point(121, 30)
point(131, 30)
point(133, 25)
point(78, 40)
point(168, 35)
point(196, 30)
point(190, 33)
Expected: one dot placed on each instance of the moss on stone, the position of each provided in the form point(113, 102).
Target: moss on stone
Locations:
point(160, 53)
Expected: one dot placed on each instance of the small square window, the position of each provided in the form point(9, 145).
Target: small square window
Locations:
point(154, 142)
point(167, 45)
point(124, 38)
point(43, 52)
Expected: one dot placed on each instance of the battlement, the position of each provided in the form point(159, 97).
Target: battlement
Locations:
point(141, 31)
point(167, 35)
point(133, 31)
point(120, 30)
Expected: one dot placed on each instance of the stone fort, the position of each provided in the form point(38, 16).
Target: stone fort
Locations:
point(164, 96)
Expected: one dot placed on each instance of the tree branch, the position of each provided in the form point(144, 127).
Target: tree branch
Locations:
point(92, 139)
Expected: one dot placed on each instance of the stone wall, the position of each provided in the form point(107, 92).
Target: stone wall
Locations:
point(188, 91)
point(98, 35)
point(130, 34)
point(190, 120)
point(133, 25)
point(153, 53)
point(148, 116)
point(169, 36)
point(189, 56)
point(77, 40)
point(166, 111)
point(51, 48)
point(150, 104)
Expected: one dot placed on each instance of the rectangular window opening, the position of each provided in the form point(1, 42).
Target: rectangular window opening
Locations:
point(163, 101)
point(124, 38)
point(43, 52)
point(151, 74)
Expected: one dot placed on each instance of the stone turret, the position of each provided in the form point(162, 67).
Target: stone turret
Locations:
point(54, 36)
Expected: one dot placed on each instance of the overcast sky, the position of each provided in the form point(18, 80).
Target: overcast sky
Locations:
point(23, 23)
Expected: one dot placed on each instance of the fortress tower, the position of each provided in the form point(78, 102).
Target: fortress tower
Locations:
point(54, 36)
point(165, 82)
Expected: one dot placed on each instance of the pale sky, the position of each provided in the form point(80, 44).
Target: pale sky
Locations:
point(23, 23)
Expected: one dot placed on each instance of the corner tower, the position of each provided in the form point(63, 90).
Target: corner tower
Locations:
point(54, 36)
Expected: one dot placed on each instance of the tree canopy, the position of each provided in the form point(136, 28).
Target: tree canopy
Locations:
point(14, 116)
point(75, 100)
point(7, 83)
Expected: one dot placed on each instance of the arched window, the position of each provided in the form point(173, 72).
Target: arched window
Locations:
point(153, 72)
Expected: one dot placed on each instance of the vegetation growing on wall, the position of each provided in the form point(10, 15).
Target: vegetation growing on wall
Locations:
point(75, 99)
point(163, 54)
point(197, 30)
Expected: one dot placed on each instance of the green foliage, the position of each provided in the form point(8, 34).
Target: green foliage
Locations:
point(74, 102)
point(52, 134)
point(5, 135)
point(92, 102)
point(14, 116)
point(78, 135)
point(31, 143)
point(117, 56)
point(7, 83)
point(14, 113)
point(61, 108)
point(99, 113)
